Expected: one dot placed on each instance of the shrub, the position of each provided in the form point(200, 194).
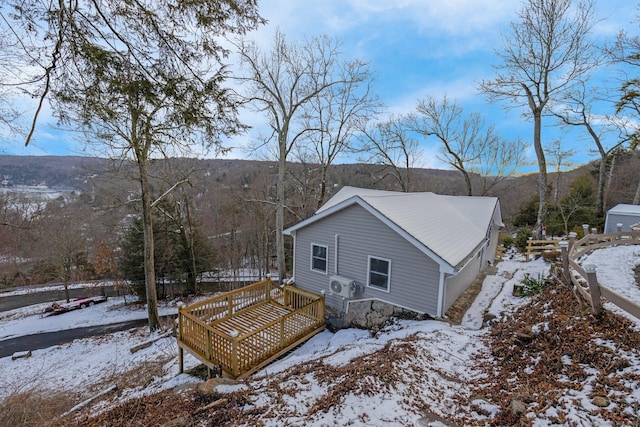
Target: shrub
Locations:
point(530, 286)
point(522, 236)
point(507, 241)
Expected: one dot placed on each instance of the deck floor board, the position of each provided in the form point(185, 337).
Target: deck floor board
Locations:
point(252, 319)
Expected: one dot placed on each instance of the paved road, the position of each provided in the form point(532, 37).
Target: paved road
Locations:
point(49, 339)
point(17, 301)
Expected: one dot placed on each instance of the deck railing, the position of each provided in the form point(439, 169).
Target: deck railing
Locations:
point(241, 354)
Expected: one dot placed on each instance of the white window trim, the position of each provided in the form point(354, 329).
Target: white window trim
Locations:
point(388, 290)
point(326, 260)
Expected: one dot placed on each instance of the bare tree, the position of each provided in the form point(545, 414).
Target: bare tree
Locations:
point(390, 145)
point(17, 213)
point(143, 79)
point(546, 52)
point(282, 84)
point(502, 160)
point(559, 161)
point(60, 240)
point(9, 78)
point(577, 111)
point(626, 52)
point(338, 114)
point(467, 143)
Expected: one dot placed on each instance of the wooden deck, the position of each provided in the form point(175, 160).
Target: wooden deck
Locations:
point(245, 329)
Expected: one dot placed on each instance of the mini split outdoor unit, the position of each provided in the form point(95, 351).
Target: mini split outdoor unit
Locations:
point(342, 286)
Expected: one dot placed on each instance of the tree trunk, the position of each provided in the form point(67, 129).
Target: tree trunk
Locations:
point(149, 267)
point(467, 181)
point(542, 176)
point(636, 197)
point(67, 275)
point(323, 186)
point(192, 253)
point(602, 179)
point(282, 164)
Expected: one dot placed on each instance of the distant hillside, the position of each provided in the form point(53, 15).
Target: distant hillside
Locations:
point(67, 172)
point(77, 173)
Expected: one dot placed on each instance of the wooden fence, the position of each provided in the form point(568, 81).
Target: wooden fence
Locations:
point(537, 247)
point(243, 330)
point(585, 280)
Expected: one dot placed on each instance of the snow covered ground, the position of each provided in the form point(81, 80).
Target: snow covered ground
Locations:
point(88, 364)
point(28, 320)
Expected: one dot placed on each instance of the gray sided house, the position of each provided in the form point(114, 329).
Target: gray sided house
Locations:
point(627, 215)
point(415, 251)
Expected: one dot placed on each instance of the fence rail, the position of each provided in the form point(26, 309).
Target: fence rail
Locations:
point(572, 251)
point(245, 329)
point(537, 247)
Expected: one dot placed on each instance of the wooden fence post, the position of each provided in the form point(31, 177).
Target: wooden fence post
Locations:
point(564, 250)
point(619, 229)
point(594, 289)
point(572, 240)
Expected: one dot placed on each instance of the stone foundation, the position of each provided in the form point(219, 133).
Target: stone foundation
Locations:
point(370, 314)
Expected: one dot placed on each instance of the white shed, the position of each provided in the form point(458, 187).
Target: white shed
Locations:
point(627, 215)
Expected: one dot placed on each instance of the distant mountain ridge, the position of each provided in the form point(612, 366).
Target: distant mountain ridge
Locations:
point(63, 172)
point(75, 173)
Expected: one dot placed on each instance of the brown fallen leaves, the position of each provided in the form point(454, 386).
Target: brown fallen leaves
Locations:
point(552, 351)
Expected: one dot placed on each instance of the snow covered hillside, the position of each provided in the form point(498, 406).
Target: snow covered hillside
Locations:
point(545, 361)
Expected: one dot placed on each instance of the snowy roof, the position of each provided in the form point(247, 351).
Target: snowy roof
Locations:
point(448, 227)
point(625, 209)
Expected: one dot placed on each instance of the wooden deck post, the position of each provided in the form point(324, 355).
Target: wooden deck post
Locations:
point(282, 341)
point(180, 349)
point(209, 350)
point(268, 289)
point(594, 289)
point(234, 353)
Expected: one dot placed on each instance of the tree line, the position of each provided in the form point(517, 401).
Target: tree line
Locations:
point(146, 83)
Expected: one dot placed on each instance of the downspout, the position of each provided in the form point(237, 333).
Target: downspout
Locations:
point(336, 270)
point(441, 295)
point(293, 235)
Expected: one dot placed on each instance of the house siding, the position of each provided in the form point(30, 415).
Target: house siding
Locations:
point(456, 285)
point(627, 220)
point(414, 278)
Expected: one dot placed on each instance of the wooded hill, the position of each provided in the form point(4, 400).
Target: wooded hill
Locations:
point(91, 174)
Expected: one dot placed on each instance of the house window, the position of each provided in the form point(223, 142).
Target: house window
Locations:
point(319, 258)
point(379, 272)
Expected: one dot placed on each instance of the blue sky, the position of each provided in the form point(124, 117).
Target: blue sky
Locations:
point(415, 47)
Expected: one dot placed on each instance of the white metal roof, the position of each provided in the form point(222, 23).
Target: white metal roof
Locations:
point(625, 209)
point(450, 227)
